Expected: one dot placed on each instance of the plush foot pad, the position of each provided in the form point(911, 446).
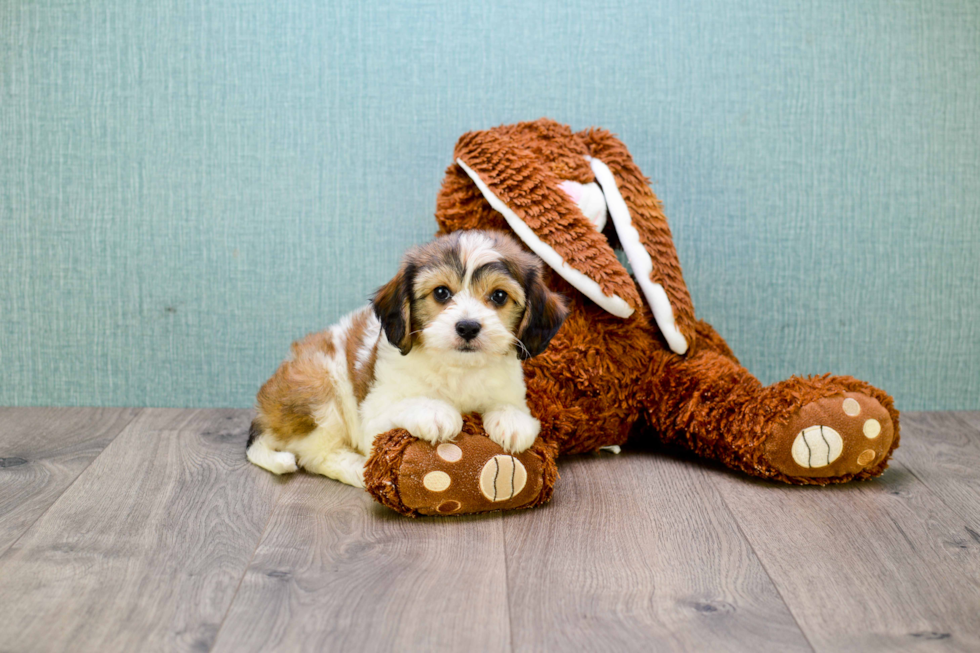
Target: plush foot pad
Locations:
point(470, 474)
point(834, 436)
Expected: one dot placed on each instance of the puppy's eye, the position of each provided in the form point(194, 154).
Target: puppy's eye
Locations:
point(498, 297)
point(442, 294)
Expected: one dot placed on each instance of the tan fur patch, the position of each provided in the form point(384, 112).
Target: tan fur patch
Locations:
point(425, 308)
point(352, 341)
point(286, 401)
point(364, 377)
point(361, 377)
point(440, 274)
point(483, 287)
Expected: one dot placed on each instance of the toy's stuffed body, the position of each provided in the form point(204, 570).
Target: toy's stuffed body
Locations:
point(631, 359)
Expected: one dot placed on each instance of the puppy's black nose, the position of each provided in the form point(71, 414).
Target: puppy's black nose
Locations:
point(468, 329)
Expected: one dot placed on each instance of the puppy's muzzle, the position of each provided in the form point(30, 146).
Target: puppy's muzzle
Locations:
point(468, 329)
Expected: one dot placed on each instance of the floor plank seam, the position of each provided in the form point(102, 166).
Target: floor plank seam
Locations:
point(936, 495)
point(510, 620)
point(258, 543)
point(906, 464)
point(966, 424)
point(27, 530)
point(762, 564)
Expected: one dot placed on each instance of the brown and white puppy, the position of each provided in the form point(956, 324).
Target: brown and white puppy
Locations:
point(445, 337)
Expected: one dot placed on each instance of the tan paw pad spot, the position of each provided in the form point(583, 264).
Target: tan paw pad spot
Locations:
point(449, 452)
point(866, 457)
point(502, 478)
point(851, 407)
point(872, 429)
point(436, 481)
point(817, 446)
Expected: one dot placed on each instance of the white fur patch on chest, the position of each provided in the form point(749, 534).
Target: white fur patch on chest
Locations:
point(500, 379)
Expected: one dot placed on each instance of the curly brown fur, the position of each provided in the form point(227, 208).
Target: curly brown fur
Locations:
point(381, 470)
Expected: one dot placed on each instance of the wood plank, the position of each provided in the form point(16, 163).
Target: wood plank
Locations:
point(146, 549)
point(637, 552)
point(943, 451)
point(972, 417)
point(881, 565)
point(338, 572)
point(42, 452)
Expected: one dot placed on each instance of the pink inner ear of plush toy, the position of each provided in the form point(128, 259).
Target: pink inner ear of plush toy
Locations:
point(573, 189)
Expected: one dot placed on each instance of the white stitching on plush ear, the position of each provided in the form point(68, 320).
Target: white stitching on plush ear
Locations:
point(639, 258)
point(613, 304)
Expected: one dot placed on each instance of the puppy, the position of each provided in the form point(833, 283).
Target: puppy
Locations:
point(445, 337)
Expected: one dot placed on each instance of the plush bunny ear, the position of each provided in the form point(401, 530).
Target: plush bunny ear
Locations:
point(645, 237)
point(639, 258)
point(530, 199)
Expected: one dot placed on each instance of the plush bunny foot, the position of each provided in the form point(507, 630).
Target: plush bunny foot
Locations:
point(841, 435)
point(470, 474)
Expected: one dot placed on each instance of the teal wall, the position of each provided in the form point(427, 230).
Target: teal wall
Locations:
point(187, 186)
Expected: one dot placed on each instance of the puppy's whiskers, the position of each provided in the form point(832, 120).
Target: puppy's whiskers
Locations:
point(523, 347)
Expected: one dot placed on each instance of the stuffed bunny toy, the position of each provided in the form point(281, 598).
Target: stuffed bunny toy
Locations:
point(631, 359)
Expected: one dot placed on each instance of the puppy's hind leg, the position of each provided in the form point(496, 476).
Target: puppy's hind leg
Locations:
point(278, 462)
point(327, 450)
point(344, 465)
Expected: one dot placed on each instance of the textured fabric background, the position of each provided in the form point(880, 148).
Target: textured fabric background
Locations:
point(186, 187)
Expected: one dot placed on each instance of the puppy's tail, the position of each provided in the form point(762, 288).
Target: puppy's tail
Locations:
point(254, 431)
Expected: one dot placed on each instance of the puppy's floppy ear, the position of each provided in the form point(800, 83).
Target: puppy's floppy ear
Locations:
point(544, 313)
point(392, 305)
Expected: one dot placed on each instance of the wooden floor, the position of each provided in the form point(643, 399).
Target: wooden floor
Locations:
point(143, 530)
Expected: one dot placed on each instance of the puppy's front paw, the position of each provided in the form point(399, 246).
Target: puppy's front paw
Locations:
point(431, 420)
point(511, 428)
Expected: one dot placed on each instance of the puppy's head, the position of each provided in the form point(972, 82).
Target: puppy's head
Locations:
point(470, 295)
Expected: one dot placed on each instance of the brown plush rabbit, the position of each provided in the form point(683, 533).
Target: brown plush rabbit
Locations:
point(631, 358)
